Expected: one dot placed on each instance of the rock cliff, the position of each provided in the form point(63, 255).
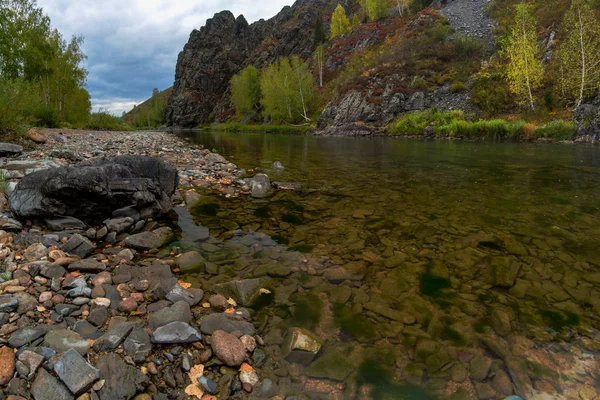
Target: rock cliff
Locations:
point(224, 46)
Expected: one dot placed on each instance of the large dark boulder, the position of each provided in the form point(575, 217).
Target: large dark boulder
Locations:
point(92, 190)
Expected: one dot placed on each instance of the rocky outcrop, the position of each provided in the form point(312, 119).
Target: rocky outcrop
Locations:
point(587, 121)
point(361, 113)
point(224, 46)
point(92, 190)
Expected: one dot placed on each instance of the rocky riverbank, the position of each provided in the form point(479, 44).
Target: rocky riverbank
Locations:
point(96, 310)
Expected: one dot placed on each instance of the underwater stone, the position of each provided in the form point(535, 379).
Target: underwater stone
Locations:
point(301, 346)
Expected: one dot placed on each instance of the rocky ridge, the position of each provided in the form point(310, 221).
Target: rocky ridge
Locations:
point(224, 46)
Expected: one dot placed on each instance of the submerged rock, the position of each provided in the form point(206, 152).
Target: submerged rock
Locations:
point(331, 365)
point(228, 348)
point(300, 346)
point(243, 291)
point(92, 190)
point(175, 332)
point(260, 186)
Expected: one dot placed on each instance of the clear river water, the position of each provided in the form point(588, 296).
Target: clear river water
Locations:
point(428, 269)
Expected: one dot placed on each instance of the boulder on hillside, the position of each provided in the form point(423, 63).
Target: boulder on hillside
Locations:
point(587, 121)
point(92, 190)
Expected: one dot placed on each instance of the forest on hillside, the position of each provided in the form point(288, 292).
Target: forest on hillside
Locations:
point(42, 74)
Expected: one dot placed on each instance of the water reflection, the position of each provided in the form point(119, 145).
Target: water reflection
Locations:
point(468, 270)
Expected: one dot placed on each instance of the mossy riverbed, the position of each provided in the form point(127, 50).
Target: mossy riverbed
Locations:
point(427, 269)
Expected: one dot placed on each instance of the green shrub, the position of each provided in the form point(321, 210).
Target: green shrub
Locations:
point(458, 87)
point(492, 129)
point(103, 121)
point(418, 82)
point(18, 102)
point(47, 116)
point(490, 93)
point(414, 123)
point(263, 128)
point(559, 130)
point(467, 47)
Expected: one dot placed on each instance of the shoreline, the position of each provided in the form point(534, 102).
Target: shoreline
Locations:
point(117, 314)
point(359, 130)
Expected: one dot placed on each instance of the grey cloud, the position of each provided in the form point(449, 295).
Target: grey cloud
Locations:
point(132, 45)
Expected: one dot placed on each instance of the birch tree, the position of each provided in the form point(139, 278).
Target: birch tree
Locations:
point(578, 53)
point(320, 63)
point(288, 91)
point(525, 69)
point(403, 6)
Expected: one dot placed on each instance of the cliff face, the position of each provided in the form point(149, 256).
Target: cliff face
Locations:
point(224, 46)
point(209, 59)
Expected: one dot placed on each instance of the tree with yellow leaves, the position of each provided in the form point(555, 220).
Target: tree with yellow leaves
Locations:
point(340, 24)
point(525, 69)
point(579, 54)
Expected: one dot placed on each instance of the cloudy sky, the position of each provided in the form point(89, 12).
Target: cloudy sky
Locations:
point(132, 45)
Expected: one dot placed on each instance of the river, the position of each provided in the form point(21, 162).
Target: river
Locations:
point(428, 269)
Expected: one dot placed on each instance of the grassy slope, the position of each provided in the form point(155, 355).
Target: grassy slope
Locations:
point(151, 110)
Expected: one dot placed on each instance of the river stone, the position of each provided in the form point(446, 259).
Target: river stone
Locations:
point(137, 345)
point(10, 149)
point(121, 381)
point(10, 224)
point(593, 278)
point(64, 223)
point(87, 330)
point(98, 315)
point(480, 367)
point(32, 360)
point(228, 348)
point(91, 190)
point(7, 365)
point(113, 338)
point(62, 340)
point(75, 372)
point(87, 265)
point(260, 186)
point(26, 302)
point(150, 240)
point(243, 291)
point(500, 321)
point(79, 245)
point(179, 311)
point(8, 303)
point(225, 322)
point(175, 333)
point(35, 252)
point(191, 296)
point(301, 346)
point(505, 270)
point(26, 335)
point(286, 185)
point(390, 313)
point(331, 365)
point(118, 225)
point(52, 271)
point(190, 262)
point(47, 387)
